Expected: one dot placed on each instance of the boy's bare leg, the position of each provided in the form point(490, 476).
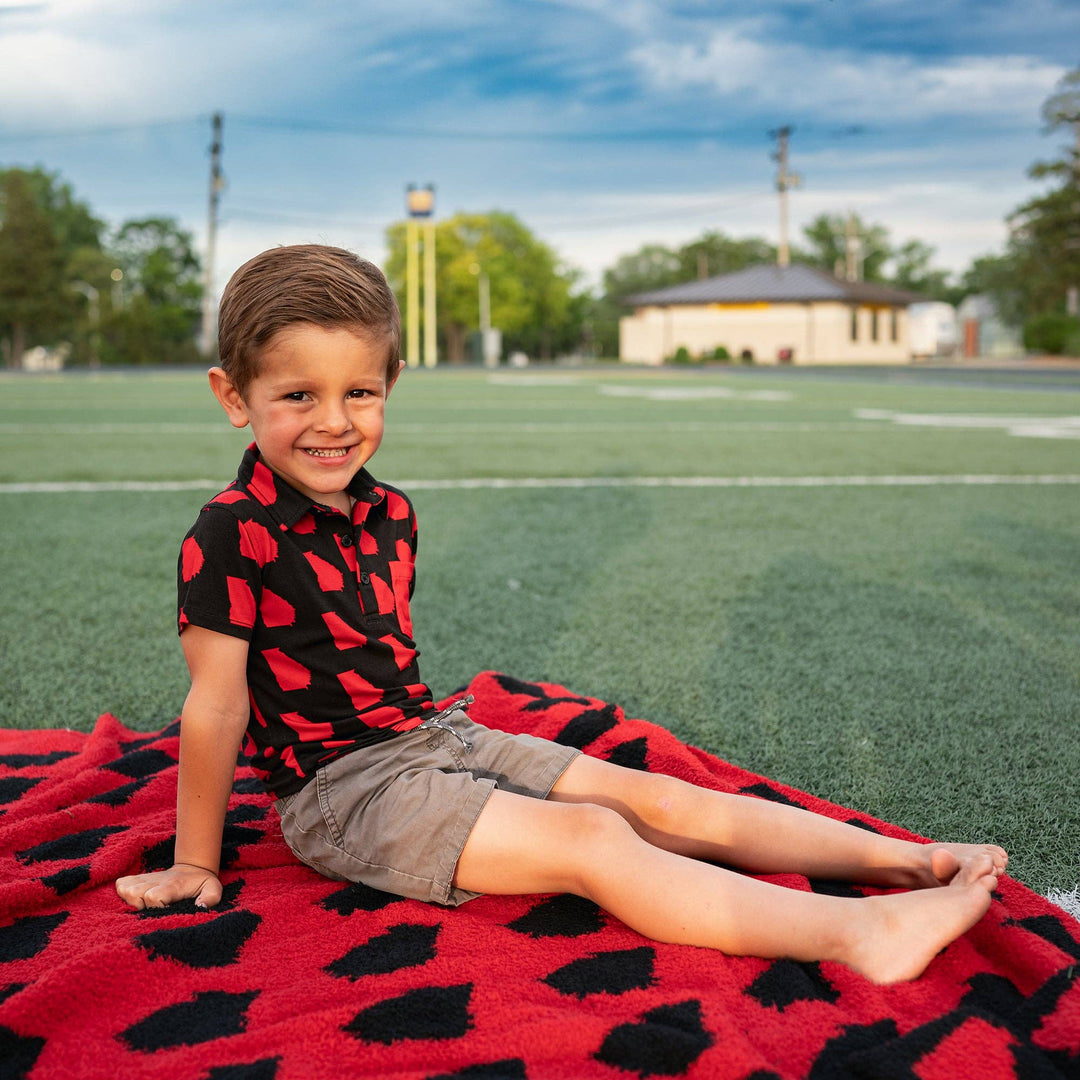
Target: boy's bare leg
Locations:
point(522, 845)
point(766, 837)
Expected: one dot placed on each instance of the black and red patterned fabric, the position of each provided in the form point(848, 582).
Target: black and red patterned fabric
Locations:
point(323, 601)
point(296, 976)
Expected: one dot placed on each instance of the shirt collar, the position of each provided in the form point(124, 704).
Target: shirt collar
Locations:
point(286, 503)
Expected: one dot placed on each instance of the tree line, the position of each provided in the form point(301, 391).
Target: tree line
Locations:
point(125, 295)
point(132, 294)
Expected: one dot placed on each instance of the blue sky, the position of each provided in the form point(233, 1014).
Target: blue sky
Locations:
point(603, 124)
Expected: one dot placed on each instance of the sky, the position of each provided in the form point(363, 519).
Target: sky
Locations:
point(604, 125)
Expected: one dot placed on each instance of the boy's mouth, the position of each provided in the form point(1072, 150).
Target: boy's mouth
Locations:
point(341, 451)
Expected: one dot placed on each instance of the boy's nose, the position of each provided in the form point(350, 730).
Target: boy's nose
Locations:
point(333, 418)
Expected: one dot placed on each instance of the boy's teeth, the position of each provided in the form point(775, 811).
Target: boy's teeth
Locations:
point(329, 453)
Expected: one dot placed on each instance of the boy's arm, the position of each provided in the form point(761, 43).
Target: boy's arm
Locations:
point(213, 723)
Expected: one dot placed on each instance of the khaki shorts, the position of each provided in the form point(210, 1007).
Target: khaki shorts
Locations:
point(396, 815)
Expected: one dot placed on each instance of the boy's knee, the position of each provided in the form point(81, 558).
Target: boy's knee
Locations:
point(595, 833)
point(665, 802)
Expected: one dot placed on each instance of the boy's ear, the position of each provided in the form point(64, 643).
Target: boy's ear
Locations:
point(394, 378)
point(229, 397)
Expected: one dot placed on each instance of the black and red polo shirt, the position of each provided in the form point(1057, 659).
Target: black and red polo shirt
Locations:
point(323, 602)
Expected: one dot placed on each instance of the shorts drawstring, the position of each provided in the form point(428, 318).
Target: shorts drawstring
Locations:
point(441, 720)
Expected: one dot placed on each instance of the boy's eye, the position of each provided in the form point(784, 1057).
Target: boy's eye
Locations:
point(359, 393)
point(296, 395)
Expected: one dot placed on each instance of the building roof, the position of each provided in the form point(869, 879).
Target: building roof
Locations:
point(794, 284)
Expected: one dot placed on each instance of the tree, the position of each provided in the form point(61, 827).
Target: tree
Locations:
point(77, 233)
point(650, 267)
point(154, 312)
point(713, 254)
point(1031, 281)
point(828, 237)
point(533, 299)
point(1045, 231)
point(72, 220)
point(997, 276)
point(655, 266)
point(912, 271)
point(32, 297)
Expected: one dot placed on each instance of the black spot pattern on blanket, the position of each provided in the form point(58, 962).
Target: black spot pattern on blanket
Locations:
point(214, 942)
point(295, 975)
point(26, 937)
point(785, 982)
point(430, 1012)
point(210, 1014)
point(560, 916)
point(264, 1069)
point(666, 1041)
point(402, 946)
point(615, 972)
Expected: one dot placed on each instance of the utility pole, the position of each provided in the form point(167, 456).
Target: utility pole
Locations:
point(217, 183)
point(1072, 293)
point(431, 357)
point(852, 250)
point(412, 292)
point(784, 181)
point(420, 206)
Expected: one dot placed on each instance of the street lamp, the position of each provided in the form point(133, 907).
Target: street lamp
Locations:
point(420, 204)
point(117, 276)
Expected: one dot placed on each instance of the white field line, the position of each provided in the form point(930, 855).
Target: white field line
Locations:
point(496, 483)
point(1031, 427)
point(452, 428)
point(1067, 901)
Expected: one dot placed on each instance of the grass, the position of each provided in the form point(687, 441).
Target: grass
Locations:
point(913, 652)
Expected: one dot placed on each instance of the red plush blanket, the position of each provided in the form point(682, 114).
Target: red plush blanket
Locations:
point(297, 976)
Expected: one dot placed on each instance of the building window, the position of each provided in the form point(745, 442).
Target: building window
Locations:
point(874, 325)
point(854, 324)
point(895, 324)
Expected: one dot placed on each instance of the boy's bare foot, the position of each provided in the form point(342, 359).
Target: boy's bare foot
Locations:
point(922, 866)
point(946, 861)
point(898, 935)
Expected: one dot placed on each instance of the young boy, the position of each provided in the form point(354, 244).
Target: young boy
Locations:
point(294, 589)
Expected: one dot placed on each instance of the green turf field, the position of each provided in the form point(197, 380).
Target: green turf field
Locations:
point(905, 647)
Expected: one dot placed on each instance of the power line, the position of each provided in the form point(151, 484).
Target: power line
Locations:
point(609, 134)
point(104, 130)
point(303, 216)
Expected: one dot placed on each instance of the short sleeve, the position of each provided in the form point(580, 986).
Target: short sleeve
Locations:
point(414, 536)
point(218, 581)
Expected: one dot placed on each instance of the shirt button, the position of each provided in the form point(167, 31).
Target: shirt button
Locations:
point(365, 579)
point(347, 540)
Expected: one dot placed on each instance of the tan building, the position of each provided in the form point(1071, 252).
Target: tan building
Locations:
point(776, 314)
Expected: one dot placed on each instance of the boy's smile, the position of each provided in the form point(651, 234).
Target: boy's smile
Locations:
point(316, 406)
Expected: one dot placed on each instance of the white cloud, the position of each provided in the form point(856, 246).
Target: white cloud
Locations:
point(115, 61)
point(738, 60)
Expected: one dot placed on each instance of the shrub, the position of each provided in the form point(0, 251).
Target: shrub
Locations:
point(720, 353)
point(747, 356)
point(681, 356)
point(1053, 333)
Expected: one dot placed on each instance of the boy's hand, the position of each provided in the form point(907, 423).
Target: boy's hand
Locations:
point(181, 881)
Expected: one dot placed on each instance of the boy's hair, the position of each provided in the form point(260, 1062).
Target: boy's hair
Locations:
point(302, 283)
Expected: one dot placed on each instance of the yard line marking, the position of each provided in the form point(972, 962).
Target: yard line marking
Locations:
point(115, 429)
point(1032, 427)
point(1067, 901)
point(497, 483)
point(477, 427)
point(691, 393)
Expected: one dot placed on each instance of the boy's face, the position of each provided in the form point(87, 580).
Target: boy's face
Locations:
point(315, 407)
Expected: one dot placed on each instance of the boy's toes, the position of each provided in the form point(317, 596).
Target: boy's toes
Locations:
point(944, 865)
point(978, 869)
